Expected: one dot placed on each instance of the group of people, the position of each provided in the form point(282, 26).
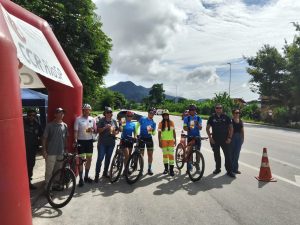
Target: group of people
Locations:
point(227, 134)
point(222, 131)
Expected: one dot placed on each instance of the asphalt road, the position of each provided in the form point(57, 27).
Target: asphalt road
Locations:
point(215, 199)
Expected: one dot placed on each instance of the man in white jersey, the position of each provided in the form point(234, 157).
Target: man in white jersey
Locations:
point(84, 128)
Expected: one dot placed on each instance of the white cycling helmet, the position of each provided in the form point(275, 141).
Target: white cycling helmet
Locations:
point(165, 111)
point(86, 106)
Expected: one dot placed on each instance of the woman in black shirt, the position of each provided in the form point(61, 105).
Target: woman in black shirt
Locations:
point(237, 139)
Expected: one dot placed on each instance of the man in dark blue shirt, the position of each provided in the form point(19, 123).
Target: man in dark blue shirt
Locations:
point(33, 134)
point(220, 137)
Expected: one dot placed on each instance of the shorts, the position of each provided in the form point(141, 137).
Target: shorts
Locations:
point(198, 142)
point(126, 144)
point(86, 148)
point(146, 142)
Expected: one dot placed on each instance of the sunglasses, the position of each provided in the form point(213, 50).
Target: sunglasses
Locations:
point(237, 113)
point(218, 107)
point(109, 112)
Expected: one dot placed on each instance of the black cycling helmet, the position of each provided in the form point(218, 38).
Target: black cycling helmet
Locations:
point(192, 107)
point(152, 110)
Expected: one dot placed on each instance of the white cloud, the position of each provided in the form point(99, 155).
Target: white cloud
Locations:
point(142, 33)
point(203, 74)
point(179, 42)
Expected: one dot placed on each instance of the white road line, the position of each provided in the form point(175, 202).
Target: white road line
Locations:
point(257, 169)
point(271, 158)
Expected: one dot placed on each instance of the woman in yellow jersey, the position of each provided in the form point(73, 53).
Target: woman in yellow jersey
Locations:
point(167, 141)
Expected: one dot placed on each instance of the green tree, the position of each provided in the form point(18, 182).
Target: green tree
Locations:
point(251, 111)
point(78, 29)
point(156, 94)
point(119, 100)
point(106, 98)
point(292, 54)
point(224, 99)
point(269, 76)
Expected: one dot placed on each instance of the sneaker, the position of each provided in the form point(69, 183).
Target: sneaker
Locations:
point(32, 187)
point(88, 180)
point(96, 179)
point(230, 174)
point(81, 183)
point(165, 171)
point(172, 173)
point(237, 172)
point(150, 172)
point(216, 171)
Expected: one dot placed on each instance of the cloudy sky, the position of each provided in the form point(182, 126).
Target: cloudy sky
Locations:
point(187, 44)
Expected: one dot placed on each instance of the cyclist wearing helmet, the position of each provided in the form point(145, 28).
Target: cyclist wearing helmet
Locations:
point(84, 127)
point(108, 129)
point(167, 141)
point(193, 124)
point(128, 129)
point(147, 130)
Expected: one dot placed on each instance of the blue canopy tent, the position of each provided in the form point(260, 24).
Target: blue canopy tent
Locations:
point(32, 98)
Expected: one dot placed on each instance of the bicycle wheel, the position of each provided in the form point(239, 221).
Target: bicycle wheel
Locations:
point(116, 167)
point(134, 168)
point(61, 187)
point(196, 165)
point(179, 156)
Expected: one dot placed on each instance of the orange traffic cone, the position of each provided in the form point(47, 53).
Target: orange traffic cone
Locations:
point(265, 171)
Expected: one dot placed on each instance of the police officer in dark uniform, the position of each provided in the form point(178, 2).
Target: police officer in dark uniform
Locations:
point(222, 131)
point(33, 133)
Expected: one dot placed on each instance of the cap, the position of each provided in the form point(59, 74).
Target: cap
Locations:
point(59, 110)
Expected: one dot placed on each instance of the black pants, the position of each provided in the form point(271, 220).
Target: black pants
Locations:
point(226, 150)
point(30, 157)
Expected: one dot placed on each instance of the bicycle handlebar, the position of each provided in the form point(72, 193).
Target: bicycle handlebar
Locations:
point(195, 137)
point(132, 139)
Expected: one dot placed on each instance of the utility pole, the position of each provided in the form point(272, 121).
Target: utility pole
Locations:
point(229, 78)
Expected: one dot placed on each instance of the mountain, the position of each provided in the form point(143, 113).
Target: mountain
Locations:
point(132, 91)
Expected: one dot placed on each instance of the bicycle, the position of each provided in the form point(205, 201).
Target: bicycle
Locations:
point(117, 163)
point(188, 153)
point(61, 186)
point(135, 164)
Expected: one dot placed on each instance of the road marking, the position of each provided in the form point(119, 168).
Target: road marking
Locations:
point(297, 183)
point(297, 179)
point(275, 160)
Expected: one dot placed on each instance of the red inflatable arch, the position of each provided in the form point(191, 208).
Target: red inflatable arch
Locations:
point(14, 189)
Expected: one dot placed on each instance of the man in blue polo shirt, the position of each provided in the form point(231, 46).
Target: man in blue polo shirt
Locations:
point(193, 124)
point(147, 130)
